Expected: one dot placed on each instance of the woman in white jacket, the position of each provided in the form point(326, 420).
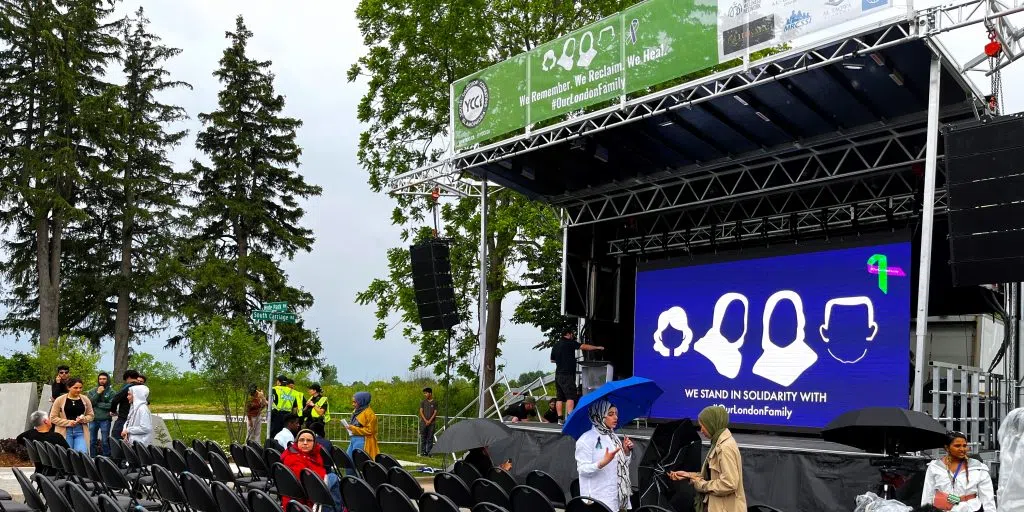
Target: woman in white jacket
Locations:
point(1011, 462)
point(602, 459)
point(139, 426)
point(957, 482)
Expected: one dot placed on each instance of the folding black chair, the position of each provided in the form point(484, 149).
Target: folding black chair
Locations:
point(55, 500)
point(357, 495)
point(260, 501)
point(401, 478)
point(201, 448)
point(452, 487)
point(392, 499)
point(196, 464)
point(227, 499)
point(486, 491)
point(466, 471)
point(33, 501)
point(544, 483)
point(315, 488)
point(502, 478)
point(169, 489)
point(585, 504)
point(387, 461)
point(433, 502)
point(374, 474)
point(287, 483)
point(359, 457)
point(197, 492)
point(527, 499)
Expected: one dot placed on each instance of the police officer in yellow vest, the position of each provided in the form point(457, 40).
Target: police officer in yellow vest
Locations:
point(299, 399)
point(316, 410)
point(282, 401)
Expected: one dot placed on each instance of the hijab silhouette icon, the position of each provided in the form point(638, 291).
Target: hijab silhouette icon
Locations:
point(722, 353)
point(783, 365)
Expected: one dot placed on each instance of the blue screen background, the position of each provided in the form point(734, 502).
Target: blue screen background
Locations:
point(881, 378)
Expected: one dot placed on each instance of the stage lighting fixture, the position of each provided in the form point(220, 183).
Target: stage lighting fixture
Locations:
point(896, 77)
point(666, 123)
point(878, 59)
point(741, 100)
point(601, 153)
point(855, 66)
point(763, 117)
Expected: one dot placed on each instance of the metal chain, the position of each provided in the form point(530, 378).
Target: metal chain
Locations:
point(997, 90)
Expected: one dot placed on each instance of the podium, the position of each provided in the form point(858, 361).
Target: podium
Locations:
point(595, 374)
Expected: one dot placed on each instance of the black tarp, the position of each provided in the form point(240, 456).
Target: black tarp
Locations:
point(788, 479)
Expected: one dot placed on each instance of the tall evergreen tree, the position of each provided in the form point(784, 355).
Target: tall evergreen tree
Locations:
point(58, 110)
point(142, 191)
point(247, 214)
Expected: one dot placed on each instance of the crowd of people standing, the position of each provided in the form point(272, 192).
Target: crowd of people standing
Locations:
point(81, 419)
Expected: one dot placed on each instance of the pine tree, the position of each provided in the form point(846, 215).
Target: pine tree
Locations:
point(57, 111)
point(141, 189)
point(247, 216)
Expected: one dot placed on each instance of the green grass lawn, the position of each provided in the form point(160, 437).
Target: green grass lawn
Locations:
point(216, 431)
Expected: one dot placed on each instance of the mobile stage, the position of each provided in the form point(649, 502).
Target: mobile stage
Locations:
point(803, 193)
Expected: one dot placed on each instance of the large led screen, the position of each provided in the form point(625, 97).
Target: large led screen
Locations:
point(788, 341)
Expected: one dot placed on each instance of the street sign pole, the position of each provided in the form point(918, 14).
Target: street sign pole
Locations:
point(270, 380)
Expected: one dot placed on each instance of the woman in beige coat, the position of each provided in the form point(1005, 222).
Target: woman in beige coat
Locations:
point(719, 484)
point(70, 415)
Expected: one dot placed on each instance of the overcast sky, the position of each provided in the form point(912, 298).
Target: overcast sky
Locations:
point(312, 44)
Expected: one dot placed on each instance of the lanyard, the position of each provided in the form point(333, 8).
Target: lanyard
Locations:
point(952, 476)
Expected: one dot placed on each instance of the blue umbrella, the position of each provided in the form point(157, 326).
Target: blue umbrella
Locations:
point(633, 397)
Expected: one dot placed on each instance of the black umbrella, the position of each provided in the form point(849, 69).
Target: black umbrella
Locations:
point(471, 433)
point(674, 446)
point(888, 430)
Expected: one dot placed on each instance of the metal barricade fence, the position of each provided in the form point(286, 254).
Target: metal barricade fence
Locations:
point(969, 400)
point(391, 428)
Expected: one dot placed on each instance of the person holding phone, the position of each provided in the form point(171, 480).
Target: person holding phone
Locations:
point(602, 459)
point(719, 484)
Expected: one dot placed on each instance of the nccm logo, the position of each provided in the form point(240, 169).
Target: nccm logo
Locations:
point(866, 5)
point(473, 103)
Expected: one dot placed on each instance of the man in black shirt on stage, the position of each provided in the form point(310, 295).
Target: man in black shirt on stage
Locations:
point(563, 354)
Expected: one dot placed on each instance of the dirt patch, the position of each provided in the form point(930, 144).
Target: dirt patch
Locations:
point(8, 460)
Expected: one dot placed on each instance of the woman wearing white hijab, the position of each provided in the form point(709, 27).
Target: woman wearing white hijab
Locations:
point(602, 459)
point(139, 426)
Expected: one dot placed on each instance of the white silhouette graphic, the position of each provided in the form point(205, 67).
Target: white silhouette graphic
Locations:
point(783, 365)
point(675, 317)
point(549, 60)
point(722, 353)
point(586, 55)
point(845, 302)
point(568, 50)
point(601, 36)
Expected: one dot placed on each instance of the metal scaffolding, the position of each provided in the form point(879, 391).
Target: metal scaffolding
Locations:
point(857, 176)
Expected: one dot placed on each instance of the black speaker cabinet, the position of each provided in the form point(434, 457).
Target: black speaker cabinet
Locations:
point(985, 185)
point(432, 282)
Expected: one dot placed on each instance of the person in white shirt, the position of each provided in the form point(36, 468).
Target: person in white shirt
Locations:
point(287, 434)
point(1011, 462)
point(957, 482)
point(602, 459)
point(138, 428)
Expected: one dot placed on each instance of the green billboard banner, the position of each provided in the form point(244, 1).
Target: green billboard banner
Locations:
point(643, 46)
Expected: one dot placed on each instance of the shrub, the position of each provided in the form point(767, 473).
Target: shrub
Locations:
point(13, 447)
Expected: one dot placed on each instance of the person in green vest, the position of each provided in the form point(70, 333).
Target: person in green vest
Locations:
point(282, 402)
point(300, 400)
point(316, 410)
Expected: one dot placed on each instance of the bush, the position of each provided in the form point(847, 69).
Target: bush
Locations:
point(76, 353)
point(19, 367)
point(13, 447)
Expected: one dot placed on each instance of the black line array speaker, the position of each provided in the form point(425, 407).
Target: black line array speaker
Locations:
point(985, 185)
point(432, 282)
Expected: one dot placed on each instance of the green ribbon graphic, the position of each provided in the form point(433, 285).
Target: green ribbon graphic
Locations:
point(882, 263)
